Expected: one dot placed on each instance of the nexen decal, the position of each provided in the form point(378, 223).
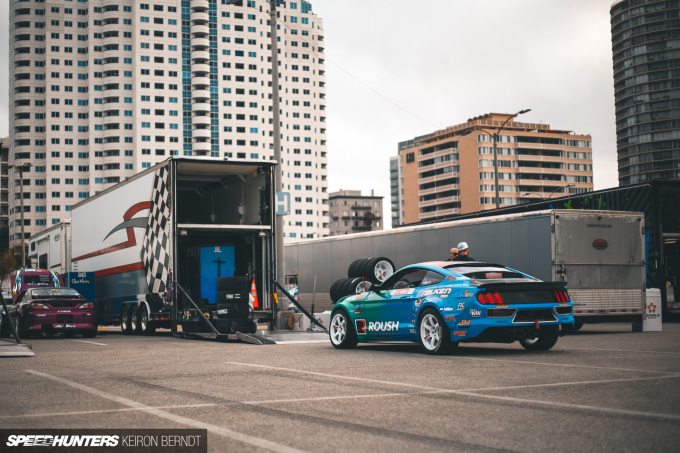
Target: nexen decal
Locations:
point(387, 326)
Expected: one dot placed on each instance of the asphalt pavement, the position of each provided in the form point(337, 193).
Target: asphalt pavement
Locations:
point(604, 388)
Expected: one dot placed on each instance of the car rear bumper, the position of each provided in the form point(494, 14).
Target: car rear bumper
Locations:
point(61, 321)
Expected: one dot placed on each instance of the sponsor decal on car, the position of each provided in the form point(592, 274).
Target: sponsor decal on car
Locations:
point(411, 330)
point(461, 306)
point(475, 313)
point(459, 333)
point(402, 291)
point(383, 326)
point(464, 323)
point(450, 278)
point(418, 302)
point(351, 298)
point(442, 292)
point(493, 275)
point(468, 293)
point(360, 325)
point(447, 309)
point(449, 318)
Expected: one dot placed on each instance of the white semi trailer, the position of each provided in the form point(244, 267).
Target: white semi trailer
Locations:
point(174, 232)
point(601, 254)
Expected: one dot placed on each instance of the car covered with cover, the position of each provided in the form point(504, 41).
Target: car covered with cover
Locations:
point(443, 304)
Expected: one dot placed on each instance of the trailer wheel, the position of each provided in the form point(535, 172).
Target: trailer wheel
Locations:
point(134, 321)
point(125, 321)
point(363, 268)
point(144, 327)
point(546, 339)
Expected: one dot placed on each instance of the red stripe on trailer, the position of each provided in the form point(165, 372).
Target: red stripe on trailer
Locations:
point(119, 269)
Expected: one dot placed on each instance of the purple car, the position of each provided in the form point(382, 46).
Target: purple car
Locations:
point(52, 311)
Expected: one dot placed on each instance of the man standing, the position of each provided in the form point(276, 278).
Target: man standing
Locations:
point(453, 254)
point(463, 251)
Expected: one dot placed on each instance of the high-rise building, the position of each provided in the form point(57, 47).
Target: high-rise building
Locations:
point(451, 171)
point(101, 90)
point(351, 212)
point(4, 194)
point(646, 88)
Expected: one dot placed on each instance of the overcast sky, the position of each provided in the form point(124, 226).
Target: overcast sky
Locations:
point(398, 69)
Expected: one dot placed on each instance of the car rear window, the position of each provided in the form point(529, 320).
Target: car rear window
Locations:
point(50, 293)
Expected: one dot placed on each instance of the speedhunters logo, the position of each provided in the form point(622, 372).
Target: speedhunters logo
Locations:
point(86, 440)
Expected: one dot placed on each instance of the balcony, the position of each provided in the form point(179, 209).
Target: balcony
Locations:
point(361, 208)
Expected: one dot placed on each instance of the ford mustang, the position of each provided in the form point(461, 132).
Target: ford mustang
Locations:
point(443, 304)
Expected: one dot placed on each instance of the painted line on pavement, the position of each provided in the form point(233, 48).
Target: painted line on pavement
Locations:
point(627, 350)
point(220, 431)
point(91, 342)
point(477, 395)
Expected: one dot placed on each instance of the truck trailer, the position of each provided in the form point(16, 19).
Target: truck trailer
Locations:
point(165, 246)
point(600, 254)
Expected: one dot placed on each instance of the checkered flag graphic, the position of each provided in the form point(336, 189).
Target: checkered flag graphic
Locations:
point(156, 244)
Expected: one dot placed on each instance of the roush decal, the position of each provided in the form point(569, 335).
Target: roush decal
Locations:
point(600, 244)
point(386, 326)
point(360, 325)
point(441, 292)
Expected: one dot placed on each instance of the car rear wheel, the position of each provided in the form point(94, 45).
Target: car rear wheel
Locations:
point(547, 337)
point(433, 334)
point(144, 327)
point(125, 321)
point(342, 332)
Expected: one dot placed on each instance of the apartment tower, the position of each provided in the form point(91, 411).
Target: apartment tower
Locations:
point(451, 171)
point(645, 47)
point(102, 89)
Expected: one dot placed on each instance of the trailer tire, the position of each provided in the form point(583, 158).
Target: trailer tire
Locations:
point(233, 284)
point(125, 321)
point(547, 338)
point(144, 326)
point(134, 321)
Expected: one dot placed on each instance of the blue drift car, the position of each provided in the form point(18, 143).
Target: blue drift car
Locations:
point(443, 304)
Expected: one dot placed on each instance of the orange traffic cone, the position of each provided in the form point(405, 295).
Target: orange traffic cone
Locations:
point(253, 293)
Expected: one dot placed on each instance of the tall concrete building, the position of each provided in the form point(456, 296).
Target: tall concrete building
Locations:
point(451, 171)
point(646, 88)
point(351, 212)
point(102, 89)
point(4, 194)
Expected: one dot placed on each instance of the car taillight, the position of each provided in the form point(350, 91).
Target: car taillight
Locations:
point(490, 298)
point(561, 295)
point(38, 306)
point(86, 305)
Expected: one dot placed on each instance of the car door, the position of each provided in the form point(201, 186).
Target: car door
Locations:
point(388, 313)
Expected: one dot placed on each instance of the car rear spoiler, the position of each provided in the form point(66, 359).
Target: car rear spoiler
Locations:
point(520, 286)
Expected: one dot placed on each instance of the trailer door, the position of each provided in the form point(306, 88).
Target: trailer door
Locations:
point(600, 255)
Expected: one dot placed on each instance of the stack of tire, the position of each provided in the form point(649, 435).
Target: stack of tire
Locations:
point(362, 274)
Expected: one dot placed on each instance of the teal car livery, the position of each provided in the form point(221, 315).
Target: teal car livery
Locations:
point(443, 304)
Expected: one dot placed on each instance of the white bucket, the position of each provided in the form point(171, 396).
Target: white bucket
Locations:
point(651, 320)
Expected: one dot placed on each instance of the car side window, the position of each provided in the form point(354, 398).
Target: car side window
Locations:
point(408, 279)
point(431, 278)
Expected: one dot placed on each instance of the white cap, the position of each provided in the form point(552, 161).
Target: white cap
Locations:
point(462, 246)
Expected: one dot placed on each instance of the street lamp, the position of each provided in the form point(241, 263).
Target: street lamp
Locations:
point(495, 155)
point(21, 169)
point(551, 193)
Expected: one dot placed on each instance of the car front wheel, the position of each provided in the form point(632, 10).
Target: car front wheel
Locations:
point(547, 337)
point(342, 332)
point(433, 334)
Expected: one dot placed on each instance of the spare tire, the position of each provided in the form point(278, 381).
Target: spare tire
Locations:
point(379, 269)
point(352, 270)
point(358, 285)
point(363, 267)
point(336, 289)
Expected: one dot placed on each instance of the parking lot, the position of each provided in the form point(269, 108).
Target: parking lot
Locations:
point(604, 388)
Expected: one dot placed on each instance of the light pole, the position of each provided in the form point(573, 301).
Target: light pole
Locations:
point(495, 153)
point(21, 169)
point(551, 193)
